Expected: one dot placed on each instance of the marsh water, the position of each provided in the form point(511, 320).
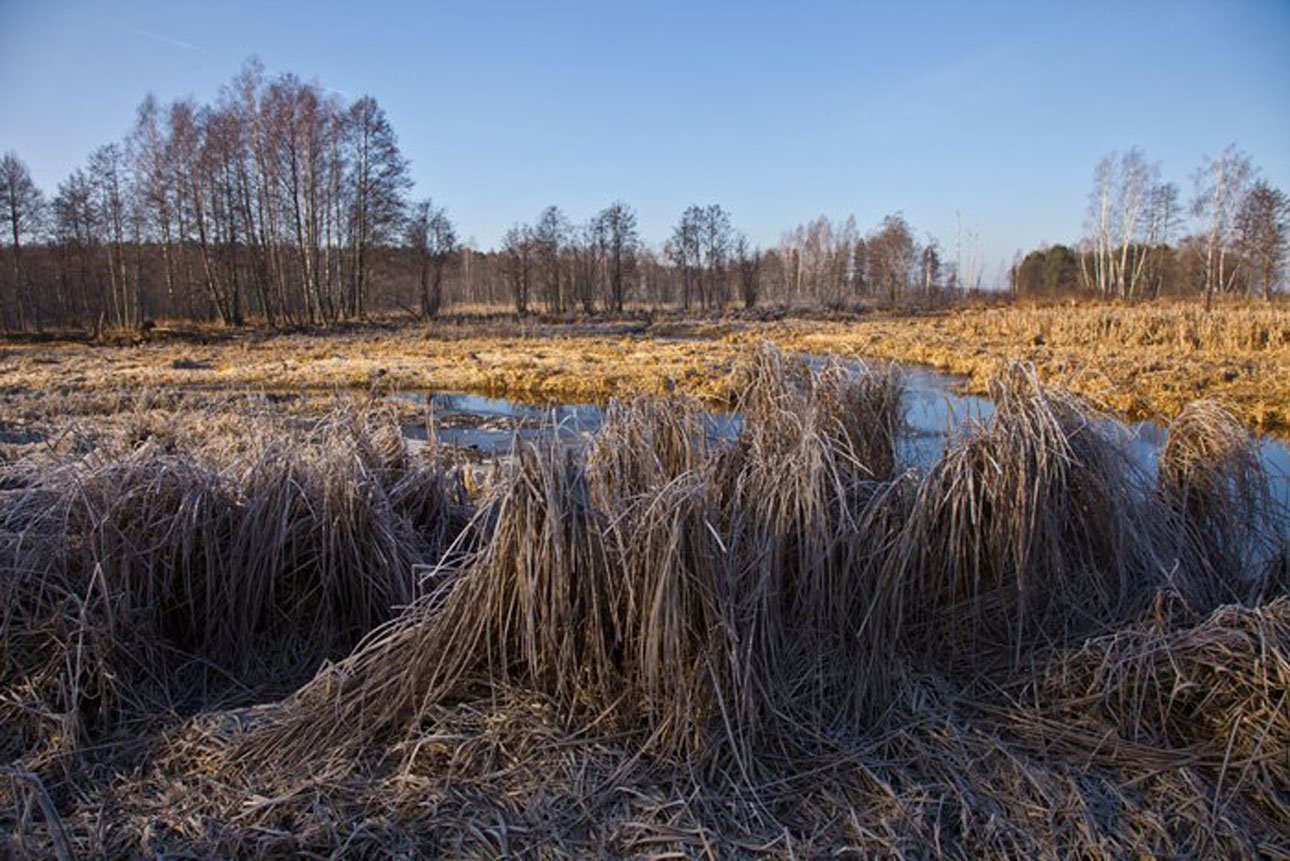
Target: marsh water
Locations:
point(489, 425)
point(936, 408)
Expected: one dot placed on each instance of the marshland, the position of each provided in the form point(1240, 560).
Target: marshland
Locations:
point(337, 520)
point(238, 624)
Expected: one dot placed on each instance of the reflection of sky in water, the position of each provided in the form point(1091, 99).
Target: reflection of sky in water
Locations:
point(572, 424)
point(1144, 440)
point(568, 416)
point(447, 404)
point(934, 411)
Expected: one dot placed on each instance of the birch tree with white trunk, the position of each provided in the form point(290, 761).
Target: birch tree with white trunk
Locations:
point(1220, 187)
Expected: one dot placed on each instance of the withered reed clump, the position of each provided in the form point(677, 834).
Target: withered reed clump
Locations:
point(1211, 693)
point(859, 410)
point(645, 443)
point(116, 580)
point(789, 643)
point(797, 489)
point(143, 582)
point(1032, 528)
point(611, 617)
point(1222, 514)
point(683, 661)
point(703, 590)
point(32, 635)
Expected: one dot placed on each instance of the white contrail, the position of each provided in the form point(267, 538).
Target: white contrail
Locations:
point(180, 43)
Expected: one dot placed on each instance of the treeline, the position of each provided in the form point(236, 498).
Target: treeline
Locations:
point(1143, 242)
point(283, 203)
point(555, 266)
point(271, 201)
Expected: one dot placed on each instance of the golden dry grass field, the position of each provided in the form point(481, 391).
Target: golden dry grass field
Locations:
point(1144, 361)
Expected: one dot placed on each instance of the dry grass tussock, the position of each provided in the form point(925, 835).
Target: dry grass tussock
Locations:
point(146, 582)
point(787, 643)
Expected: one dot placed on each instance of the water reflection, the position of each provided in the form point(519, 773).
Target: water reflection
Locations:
point(936, 410)
point(492, 425)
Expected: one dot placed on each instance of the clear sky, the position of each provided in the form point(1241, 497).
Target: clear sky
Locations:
point(778, 111)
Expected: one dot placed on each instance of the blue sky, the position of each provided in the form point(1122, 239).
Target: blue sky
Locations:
point(780, 112)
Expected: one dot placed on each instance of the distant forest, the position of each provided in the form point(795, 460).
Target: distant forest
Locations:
point(283, 204)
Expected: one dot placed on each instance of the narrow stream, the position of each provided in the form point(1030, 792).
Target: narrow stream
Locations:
point(935, 409)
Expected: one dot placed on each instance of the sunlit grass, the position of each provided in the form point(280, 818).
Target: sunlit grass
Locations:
point(666, 643)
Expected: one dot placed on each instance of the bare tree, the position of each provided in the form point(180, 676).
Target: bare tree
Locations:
point(219, 182)
point(302, 122)
point(586, 250)
point(549, 236)
point(806, 248)
point(1262, 228)
point(860, 268)
point(184, 137)
point(892, 253)
point(77, 234)
point(748, 266)
point(717, 242)
point(1220, 186)
point(1130, 213)
point(379, 179)
point(517, 263)
point(1137, 180)
point(655, 279)
point(285, 201)
point(433, 239)
point(965, 276)
point(930, 265)
point(685, 250)
point(821, 258)
point(23, 206)
point(108, 179)
point(279, 199)
point(1101, 220)
point(615, 230)
point(700, 250)
point(261, 203)
point(1163, 220)
point(150, 154)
